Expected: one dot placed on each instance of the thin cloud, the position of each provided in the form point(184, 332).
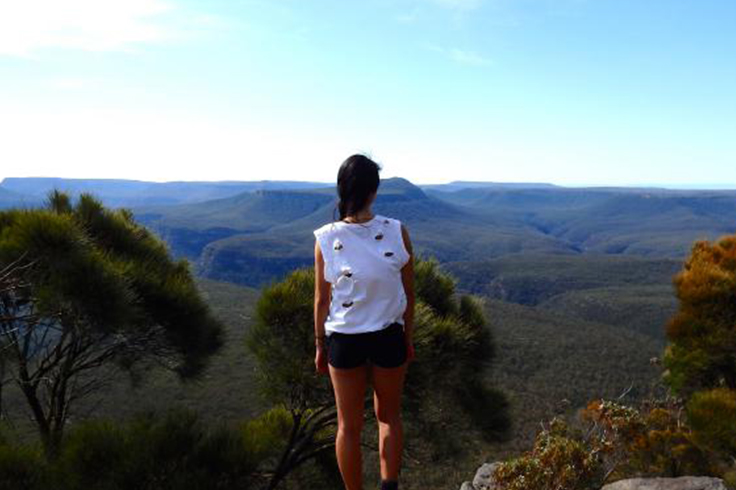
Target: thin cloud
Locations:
point(462, 56)
point(28, 26)
point(458, 4)
point(469, 58)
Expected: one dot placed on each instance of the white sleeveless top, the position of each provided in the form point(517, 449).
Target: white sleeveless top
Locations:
point(363, 263)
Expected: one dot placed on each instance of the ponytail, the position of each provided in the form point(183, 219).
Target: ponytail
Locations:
point(357, 179)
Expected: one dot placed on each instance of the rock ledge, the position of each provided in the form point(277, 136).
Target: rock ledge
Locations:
point(483, 480)
point(681, 483)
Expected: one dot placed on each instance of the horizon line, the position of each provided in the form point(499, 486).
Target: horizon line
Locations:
point(674, 186)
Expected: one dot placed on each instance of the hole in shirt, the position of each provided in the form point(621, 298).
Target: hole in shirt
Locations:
point(388, 254)
point(338, 246)
point(347, 304)
point(379, 236)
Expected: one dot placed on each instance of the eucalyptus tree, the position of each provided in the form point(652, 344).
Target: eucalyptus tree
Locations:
point(10, 281)
point(446, 384)
point(93, 289)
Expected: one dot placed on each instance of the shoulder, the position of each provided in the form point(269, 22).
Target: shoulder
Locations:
point(394, 223)
point(324, 229)
point(387, 220)
point(400, 237)
point(397, 227)
point(325, 237)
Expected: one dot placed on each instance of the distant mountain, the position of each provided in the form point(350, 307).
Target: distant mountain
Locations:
point(255, 237)
point(655, 222)
point(129, 193)
point(456, 185)
point(256, 256)
point(10, 199)
point(254, 232)
point(188, 228)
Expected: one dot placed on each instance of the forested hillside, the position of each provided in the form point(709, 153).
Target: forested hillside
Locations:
point(573, 316)
point(546, 362)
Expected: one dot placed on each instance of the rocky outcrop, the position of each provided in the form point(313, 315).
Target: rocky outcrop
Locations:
point(681, 483)
point(483, 480)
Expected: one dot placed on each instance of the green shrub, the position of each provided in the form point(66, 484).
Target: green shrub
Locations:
point(712, 414)
point(654, 440)
point(558, 461)
point(92, 455)
point(264, 436)
point(614, 442)
point(21, 468)
point(169, 452)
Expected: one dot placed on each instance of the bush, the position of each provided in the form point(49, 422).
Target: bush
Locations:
point(701, 334)
point(21, 468)
point(699, 360)
point(558, 461)
point(151, 452)
point(614, 441)
point(712, 414)
point(654, 440)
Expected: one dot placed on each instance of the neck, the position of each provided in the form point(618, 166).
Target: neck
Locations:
point(359, 217)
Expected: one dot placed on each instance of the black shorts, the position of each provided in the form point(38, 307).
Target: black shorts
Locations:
point(384, 348)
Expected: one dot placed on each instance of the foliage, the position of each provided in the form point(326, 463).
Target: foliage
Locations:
point(615, 441)
point(433, 288)
point(21, 468)
point(282, 440)
point(558, 461)
point(453, 345)
point(264, 434)
point(282, 341)
point(455, 349)
point(702, 335)
point(94, 289)
point(701, 356)
point(653, 440)
point(151, 452)
point(712, 414)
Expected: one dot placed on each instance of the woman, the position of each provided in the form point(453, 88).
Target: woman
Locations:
point(363, 318)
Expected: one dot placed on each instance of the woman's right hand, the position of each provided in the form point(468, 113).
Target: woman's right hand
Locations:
point(410, 350)
point(320, 359)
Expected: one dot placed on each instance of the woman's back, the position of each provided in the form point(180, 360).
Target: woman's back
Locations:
point(363, 263)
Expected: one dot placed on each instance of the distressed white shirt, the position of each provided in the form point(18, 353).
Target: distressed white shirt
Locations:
point(363, 263)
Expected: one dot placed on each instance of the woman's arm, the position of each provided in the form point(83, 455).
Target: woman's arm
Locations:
point(322, 296)
point(407, 277)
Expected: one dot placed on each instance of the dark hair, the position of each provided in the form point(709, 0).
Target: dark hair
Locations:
point(357, 179)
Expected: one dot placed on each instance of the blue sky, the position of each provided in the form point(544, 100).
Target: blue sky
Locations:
point(572, 92)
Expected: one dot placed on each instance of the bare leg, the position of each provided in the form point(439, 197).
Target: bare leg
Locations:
point(349, 386)
point(388, 384)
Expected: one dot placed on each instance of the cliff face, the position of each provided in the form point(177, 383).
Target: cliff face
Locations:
point(483, 480)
